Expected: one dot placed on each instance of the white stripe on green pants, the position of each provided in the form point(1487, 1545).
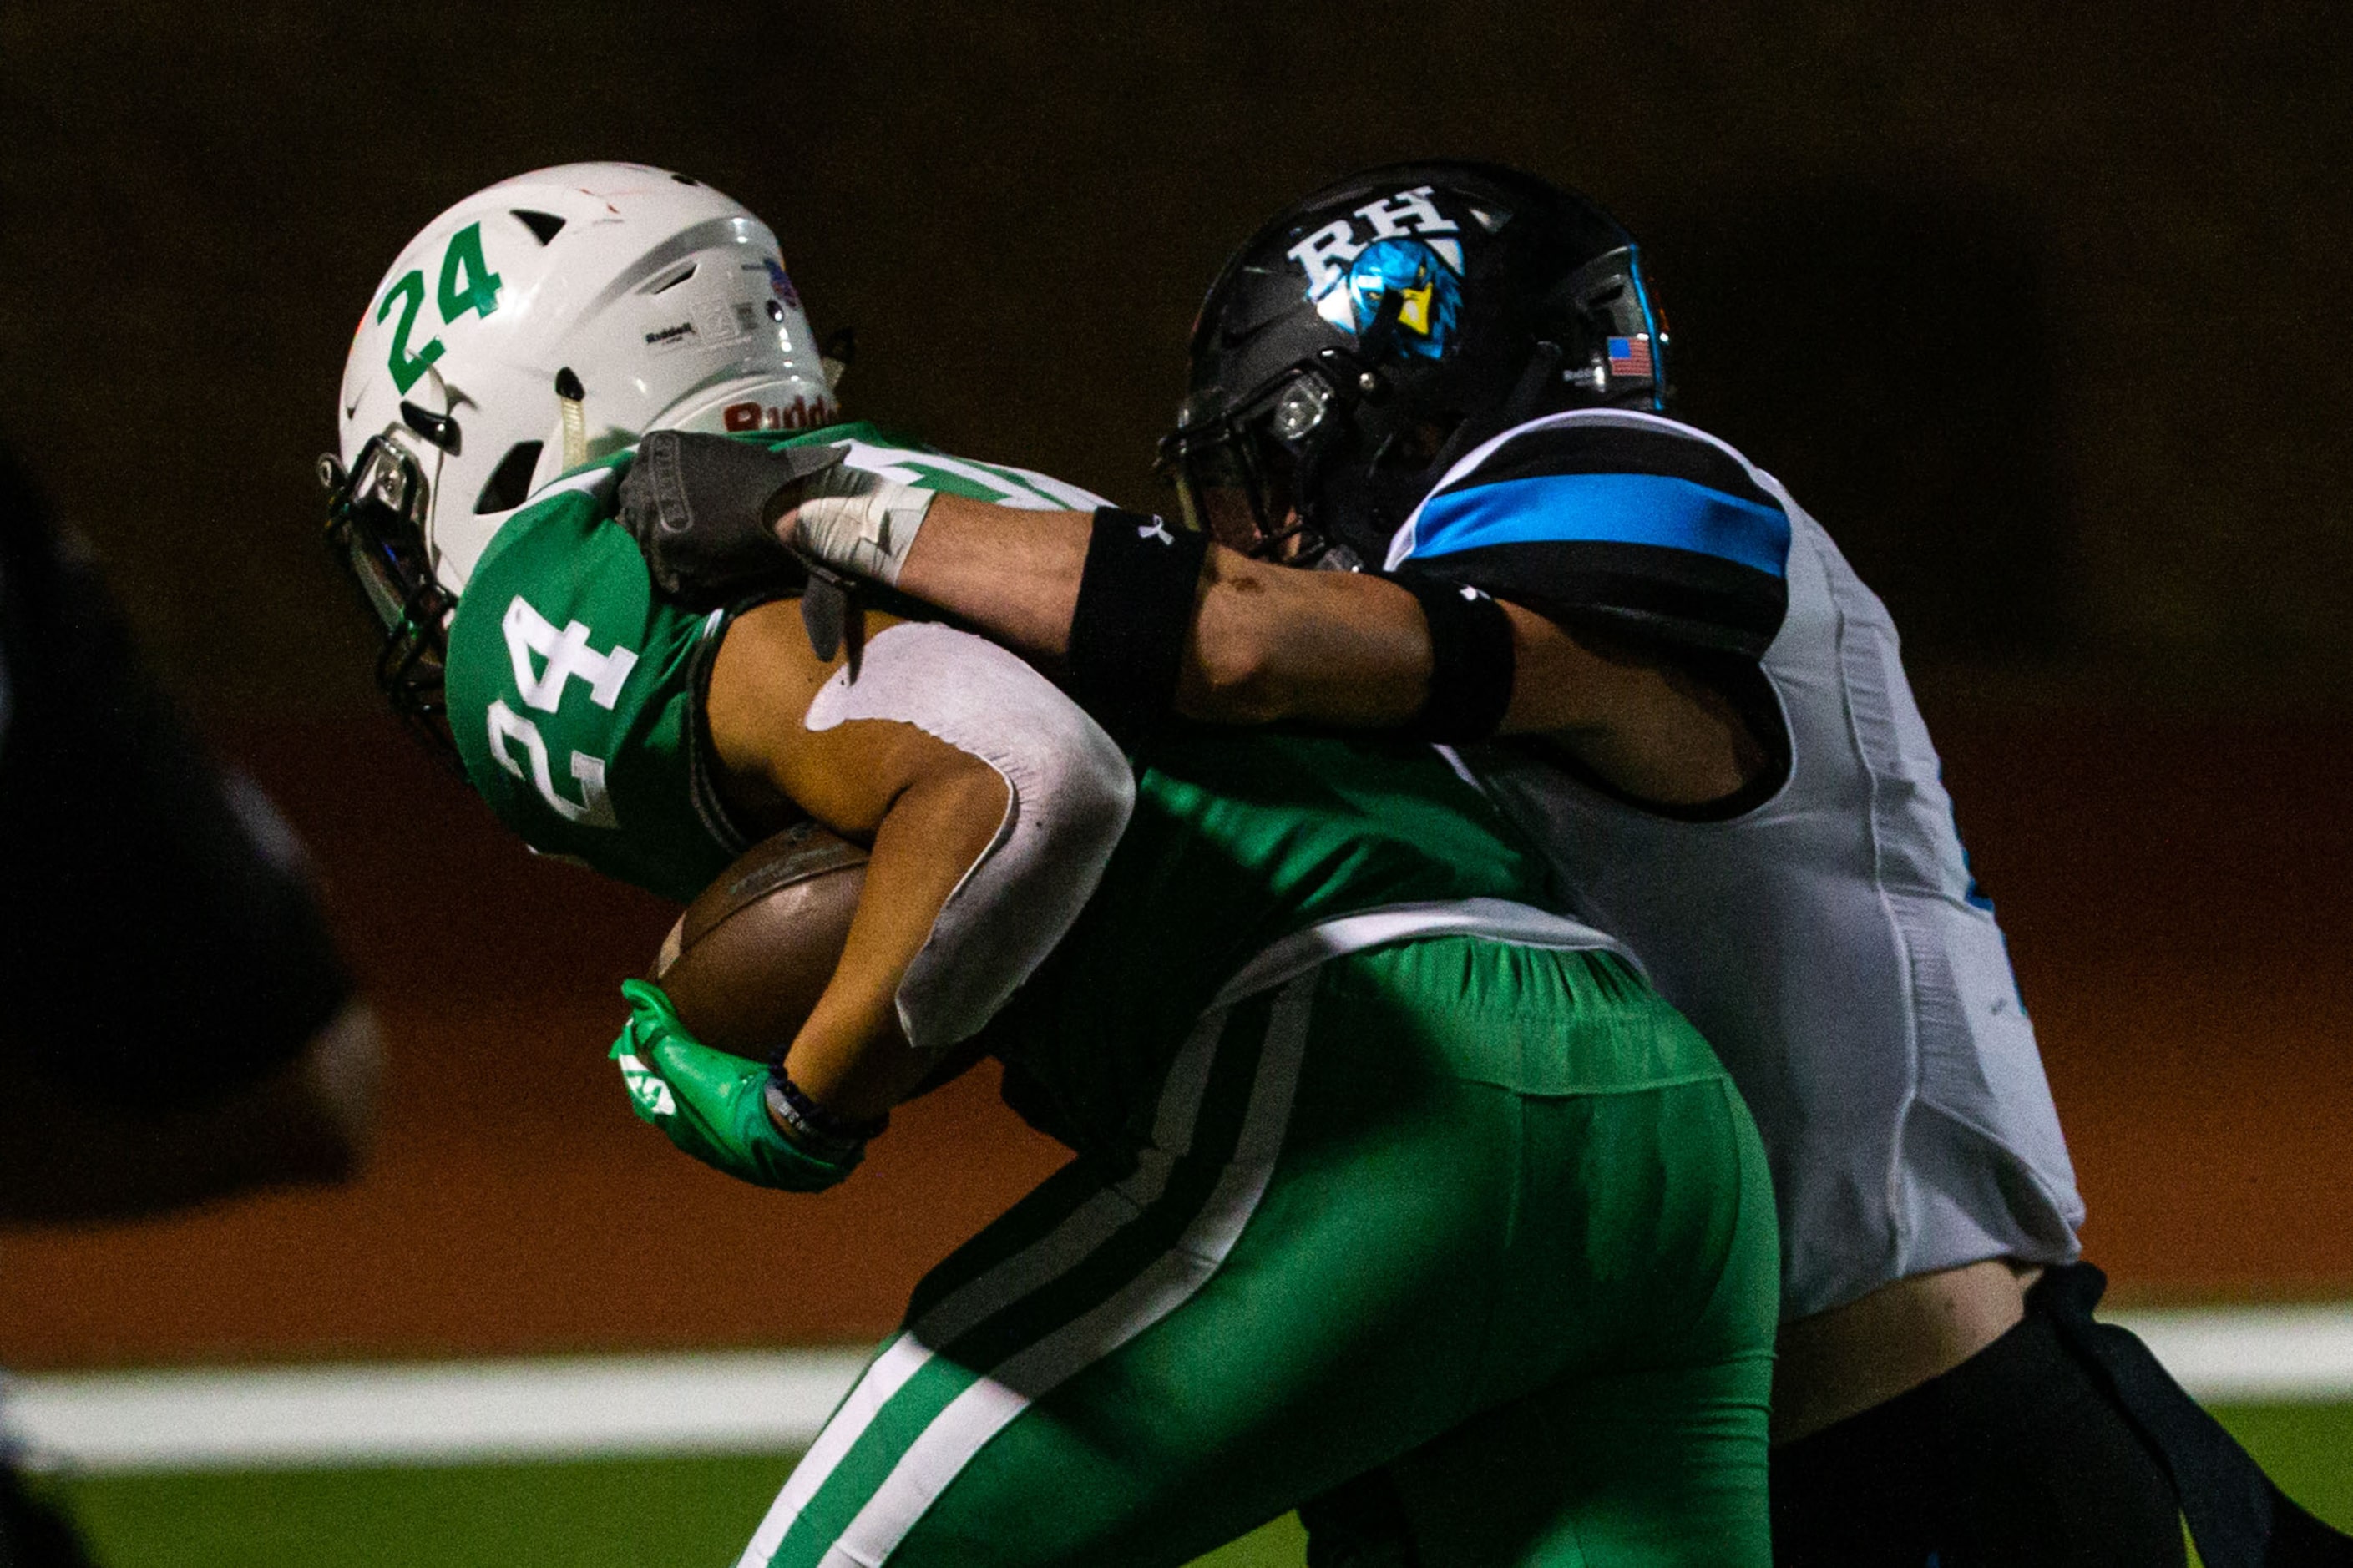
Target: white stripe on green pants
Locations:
point(1352, 1239)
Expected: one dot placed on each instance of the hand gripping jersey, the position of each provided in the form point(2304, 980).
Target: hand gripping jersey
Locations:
point(1829, 941)
point(574, 692)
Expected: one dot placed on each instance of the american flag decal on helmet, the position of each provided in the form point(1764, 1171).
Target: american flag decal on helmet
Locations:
point(1631, 356)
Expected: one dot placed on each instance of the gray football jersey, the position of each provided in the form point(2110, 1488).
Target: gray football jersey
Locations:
point(1829, 941)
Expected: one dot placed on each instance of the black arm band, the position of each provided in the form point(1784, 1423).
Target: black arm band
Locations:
point(1471, 664)
point(1134, 611)
point(828, 1135)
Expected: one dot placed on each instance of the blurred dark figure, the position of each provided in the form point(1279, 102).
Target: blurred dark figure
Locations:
point(177, 1026)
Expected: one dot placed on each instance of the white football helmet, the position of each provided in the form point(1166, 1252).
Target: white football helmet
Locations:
point(547, 320)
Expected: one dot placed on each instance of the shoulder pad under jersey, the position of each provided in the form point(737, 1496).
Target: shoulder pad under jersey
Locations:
point(1617, 516)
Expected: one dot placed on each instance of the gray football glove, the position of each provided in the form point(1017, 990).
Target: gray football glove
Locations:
point(703, 511)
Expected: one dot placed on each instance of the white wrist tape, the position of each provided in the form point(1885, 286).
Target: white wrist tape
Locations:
point(859, 523)
point(1070, 791)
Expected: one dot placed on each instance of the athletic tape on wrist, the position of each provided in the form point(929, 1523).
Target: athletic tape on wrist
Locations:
point(1471, 662)
point(1134, 613)
point(858, 523)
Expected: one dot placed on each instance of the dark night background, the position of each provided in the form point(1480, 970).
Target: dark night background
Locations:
point(2039, 309)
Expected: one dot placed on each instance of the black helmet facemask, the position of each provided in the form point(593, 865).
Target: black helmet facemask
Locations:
point(1368, 338)
point(376, 531)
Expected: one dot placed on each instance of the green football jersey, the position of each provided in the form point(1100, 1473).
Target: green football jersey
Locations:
point(576, 694)
point(575, 690)
point(1241, 839)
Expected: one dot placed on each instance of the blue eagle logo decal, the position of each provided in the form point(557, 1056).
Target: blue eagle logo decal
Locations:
point(1430, 291)
point(1413, 252)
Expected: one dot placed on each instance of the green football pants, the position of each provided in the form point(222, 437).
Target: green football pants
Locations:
point(1490, 1217)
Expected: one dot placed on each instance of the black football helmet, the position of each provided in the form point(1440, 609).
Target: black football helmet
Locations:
point(1370, 335)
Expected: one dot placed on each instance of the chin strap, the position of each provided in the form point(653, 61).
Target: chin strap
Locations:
point(570, 396)
point(833, 613)
point(1525, 402)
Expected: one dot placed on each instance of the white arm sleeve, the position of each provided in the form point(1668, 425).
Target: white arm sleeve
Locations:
point(1070, 791)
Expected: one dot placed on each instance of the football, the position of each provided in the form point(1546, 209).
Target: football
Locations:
point(747, 962)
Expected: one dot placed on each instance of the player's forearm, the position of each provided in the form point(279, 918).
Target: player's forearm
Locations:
point(1273, 643)
point(1353, 651)
point(993, 804)
point(853, 1057)
point(1267, 642)
point(1012, 573)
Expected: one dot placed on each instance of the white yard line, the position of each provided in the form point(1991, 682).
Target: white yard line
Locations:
point(444, 1412)
point(2254, 1355)
point(753, 1401)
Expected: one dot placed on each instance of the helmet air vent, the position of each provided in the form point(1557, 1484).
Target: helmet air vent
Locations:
point(437, 428)
point(510, 482)
point(675, 279)
point(545, 226)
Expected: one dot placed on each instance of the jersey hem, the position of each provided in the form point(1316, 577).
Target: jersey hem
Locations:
point(1491, 919)
point(2019, 1249)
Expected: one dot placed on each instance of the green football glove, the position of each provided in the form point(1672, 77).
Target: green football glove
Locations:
point(713, 1105)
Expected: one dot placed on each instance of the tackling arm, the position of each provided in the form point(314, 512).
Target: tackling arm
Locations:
point(1146, 619)
point(1273, 643)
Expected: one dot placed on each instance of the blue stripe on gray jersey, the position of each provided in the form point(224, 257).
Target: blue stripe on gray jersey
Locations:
point(1622, 509)
point(1604, 518)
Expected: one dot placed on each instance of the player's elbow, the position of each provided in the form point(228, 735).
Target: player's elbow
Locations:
point(1069, 793)
point(1090, 792)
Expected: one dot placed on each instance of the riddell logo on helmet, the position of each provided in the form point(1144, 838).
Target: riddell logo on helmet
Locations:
point(798, 415)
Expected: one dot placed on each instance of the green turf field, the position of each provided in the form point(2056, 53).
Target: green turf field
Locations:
point(626, 1513)
point(618, 1514)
